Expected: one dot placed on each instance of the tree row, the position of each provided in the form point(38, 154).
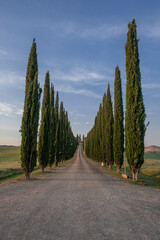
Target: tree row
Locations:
point(56, 141)
point(105, 141)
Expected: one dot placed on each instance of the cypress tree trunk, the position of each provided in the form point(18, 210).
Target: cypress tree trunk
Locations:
point(29, 129)
point(44, 132)
point(110, 166)
point(118, 135)
point(135, 111)
point(118, 168)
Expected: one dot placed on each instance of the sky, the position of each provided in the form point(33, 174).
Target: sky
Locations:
point(80, 42)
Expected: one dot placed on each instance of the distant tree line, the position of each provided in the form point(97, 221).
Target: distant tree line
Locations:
point(56, 142)
point(105, 141)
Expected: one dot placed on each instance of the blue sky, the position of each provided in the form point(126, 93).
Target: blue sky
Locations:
point(80, 42)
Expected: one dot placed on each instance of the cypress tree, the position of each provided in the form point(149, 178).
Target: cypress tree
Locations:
point(61, 121)
point(118, 136)
point(44, 132)
point(56, 111)
point(135, 110)
point(103, 122)
point(29, 128)
point(83, 144)
point(57, 143)
point(66, 136)
point(109, 129)
point(52, 128)
point(99, 128)
point(32, 67)
point(77, 138)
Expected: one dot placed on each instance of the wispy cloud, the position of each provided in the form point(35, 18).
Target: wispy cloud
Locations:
point(76, 123)
point(9, 110)
point(3, 52)
point(151, 31)
point(11, 78)
point(83, 75)
point(150, 113)
point(77, 114)
point(85, 92)
point(151, 85)
point(99, 32)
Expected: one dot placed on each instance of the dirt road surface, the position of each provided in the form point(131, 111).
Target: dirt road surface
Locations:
point(78, 202)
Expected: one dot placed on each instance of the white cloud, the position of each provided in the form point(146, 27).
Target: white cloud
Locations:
point(76, 115)
point(82, 75)
point(11, 78)
point(99, 32)
point(3, 52)
point(9, 110)
point(151, 31)
point(104, 31)
point(76, 123)
point(80, 115)
point(19, 112)
point(68, 89)
point(151, 85)
point(150, 113)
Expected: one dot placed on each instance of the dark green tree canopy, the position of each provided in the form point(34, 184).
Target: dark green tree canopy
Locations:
point(135, 111)
point(52, 128)
point(44, 132)
point(30, 117)
point(32, 67)
point(109, 128)
point(118, 136)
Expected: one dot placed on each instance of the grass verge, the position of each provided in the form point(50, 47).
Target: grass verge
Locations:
point(149, 174)
point(10, 165)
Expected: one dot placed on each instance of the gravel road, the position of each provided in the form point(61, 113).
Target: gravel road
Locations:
point(78, 202)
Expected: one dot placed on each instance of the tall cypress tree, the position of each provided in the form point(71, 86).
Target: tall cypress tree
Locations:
point(29, 128)
point(135, 110)
point(32, 67)
point(83, 144)
point(99, 129)
point(64, 136)
point(52, 128)
point(44, 132)
point(57, 143)
point(56, 111)
point(109, 129)
point(118, 136)
point(103, 120)
point(61, 122)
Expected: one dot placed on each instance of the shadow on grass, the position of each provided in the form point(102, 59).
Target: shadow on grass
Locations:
point(10, 172)
point(143, 179)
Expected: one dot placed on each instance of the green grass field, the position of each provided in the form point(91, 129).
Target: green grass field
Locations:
point(149, 174)
point(10, 164)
